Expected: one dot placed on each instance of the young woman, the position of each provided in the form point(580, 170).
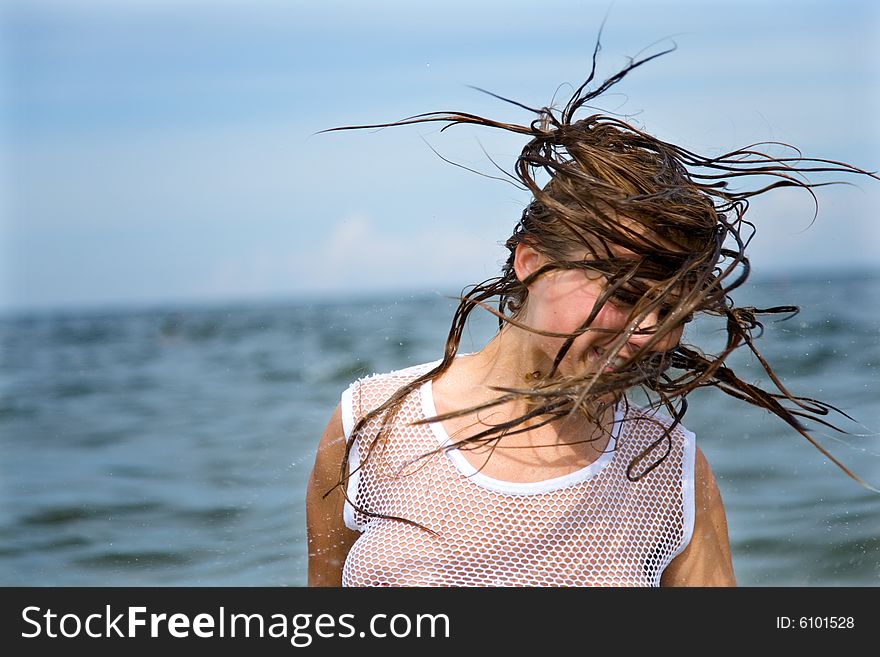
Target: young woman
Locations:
point(525, 463)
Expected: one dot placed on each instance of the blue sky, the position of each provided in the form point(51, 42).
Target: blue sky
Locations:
point(165, 151)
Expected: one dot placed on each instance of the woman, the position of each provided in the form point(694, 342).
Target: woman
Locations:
point(526, 463)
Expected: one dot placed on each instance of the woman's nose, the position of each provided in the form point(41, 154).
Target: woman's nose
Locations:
point(646, 329)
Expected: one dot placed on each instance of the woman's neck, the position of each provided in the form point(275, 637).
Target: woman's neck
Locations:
point(511, 360)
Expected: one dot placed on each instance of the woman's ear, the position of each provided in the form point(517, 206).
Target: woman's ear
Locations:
point(526, 261)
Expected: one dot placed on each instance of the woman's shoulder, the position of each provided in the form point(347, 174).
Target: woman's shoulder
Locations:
point(392, 378)
point(651, 438)
point(654, 436)
point(371, 391)
point(646, 417)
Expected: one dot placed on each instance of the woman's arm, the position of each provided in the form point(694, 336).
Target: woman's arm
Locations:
point(329, 540)
point(706, 560)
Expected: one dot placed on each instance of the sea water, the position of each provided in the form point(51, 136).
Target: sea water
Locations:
point(172, 445)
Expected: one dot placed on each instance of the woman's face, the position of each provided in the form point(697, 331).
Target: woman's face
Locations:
point(560, 301)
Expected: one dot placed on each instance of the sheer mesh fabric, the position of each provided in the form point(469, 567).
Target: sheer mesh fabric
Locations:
point(593, 527)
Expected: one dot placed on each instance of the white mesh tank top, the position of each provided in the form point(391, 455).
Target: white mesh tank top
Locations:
point(592, 527)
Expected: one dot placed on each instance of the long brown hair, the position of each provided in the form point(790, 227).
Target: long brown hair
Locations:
point(613, 185)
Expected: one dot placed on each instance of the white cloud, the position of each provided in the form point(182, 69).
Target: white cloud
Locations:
point(361, 254)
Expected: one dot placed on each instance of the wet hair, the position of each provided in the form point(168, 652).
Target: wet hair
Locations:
point(613, 187)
